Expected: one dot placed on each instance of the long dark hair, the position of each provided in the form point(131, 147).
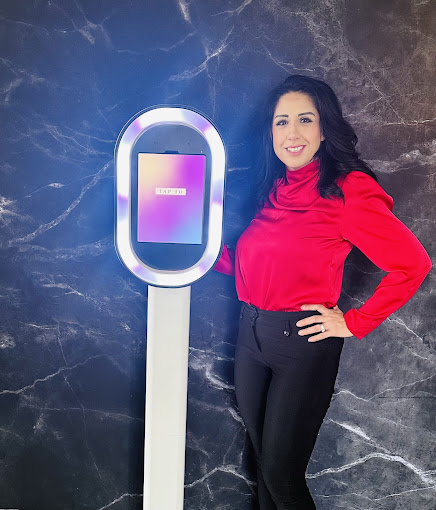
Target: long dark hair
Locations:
point(337, 153)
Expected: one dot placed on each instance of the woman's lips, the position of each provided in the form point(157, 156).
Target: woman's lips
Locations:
point(295, 150)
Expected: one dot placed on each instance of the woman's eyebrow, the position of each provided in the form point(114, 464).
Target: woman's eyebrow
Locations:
point(299, 115)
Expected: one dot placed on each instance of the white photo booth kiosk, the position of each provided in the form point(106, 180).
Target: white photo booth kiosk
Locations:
point(170, 166)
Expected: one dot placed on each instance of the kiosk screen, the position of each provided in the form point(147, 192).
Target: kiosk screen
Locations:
point(171, 198)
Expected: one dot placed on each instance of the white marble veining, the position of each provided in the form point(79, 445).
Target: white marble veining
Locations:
point(73, 321)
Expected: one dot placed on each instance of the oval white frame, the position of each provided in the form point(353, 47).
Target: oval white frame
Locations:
point(123, 152)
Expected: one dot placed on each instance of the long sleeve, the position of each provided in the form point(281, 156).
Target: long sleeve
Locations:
point(226, 263)
point(369, 224)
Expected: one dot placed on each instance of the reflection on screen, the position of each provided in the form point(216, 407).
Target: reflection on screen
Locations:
point(170, 198)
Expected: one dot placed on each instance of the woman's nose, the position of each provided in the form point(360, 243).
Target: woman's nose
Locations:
point(292, 131)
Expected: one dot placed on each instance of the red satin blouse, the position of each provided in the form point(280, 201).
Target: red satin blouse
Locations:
point(294, 250)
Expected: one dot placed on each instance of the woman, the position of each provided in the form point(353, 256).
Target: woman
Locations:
point(317, 200)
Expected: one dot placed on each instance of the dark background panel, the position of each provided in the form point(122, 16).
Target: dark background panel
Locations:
point(73, 319)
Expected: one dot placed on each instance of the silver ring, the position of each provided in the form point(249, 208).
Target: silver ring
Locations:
point(322, 328)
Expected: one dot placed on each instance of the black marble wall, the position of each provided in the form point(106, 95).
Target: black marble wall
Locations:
point(73, 319)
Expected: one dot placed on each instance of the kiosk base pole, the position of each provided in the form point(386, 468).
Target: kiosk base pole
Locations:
point(166, 397)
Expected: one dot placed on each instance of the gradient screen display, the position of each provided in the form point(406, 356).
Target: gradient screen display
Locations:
point(170, 198)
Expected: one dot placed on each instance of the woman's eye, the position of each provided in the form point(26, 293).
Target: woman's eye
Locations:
point(281, 122)
point(305, 120)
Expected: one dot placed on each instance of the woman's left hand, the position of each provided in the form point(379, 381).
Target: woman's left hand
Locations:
point(331, 322)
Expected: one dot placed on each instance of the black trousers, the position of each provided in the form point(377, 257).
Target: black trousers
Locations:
point(284, 386)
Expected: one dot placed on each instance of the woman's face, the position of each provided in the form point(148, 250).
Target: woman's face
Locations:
point(296, 130)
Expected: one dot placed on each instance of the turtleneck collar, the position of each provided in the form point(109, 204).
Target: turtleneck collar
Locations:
point(298, 189)
point(305, 172)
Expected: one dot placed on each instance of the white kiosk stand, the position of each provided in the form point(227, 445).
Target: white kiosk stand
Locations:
point(170, 167)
